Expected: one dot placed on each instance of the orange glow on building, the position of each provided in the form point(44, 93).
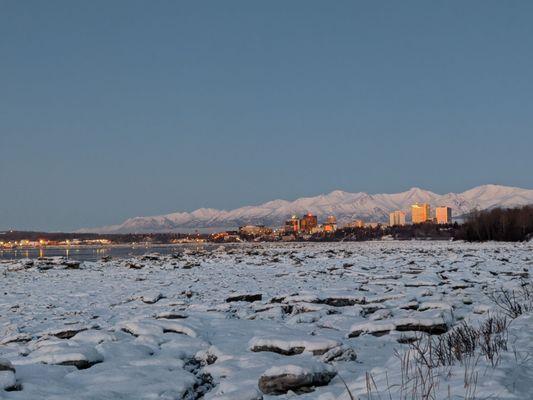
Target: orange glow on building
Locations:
point(292, 225)
point(443, 215)
point(420, 213)
point(308, 223)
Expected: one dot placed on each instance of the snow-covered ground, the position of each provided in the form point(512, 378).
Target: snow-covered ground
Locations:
point(249, 321)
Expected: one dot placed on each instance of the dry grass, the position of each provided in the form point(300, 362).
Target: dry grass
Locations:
point(429, 359)
point(514, 302)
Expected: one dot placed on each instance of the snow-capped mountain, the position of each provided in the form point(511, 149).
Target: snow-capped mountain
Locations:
point(345, 206)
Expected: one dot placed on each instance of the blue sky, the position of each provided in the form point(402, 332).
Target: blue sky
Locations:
point(112, 109)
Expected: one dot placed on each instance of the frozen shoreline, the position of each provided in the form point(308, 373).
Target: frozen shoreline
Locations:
point(212, 322)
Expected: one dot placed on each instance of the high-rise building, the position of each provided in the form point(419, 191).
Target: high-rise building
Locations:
point(292, 225)
point(420, 213)
point(308, 223)
point(443, 215)
point(331, 224)
point(331, 219)
point(397, 218)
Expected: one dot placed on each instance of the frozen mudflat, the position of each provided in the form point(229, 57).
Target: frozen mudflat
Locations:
point(263, 321)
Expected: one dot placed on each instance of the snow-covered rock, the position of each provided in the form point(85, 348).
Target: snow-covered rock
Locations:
point(194, 344)
point(281, 379)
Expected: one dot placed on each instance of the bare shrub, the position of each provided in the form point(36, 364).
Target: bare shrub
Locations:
point(514, 302)
point(461, 343)
point(430, 358)
point(493, 338)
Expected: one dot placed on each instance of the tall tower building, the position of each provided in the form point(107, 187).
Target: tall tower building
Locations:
point(397, 218)
point(331, 224)
point(443, 215)
point(420, 213)
point(308, 222)
point(292, 225)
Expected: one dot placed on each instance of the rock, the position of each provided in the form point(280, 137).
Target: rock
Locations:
point(190, 265)
point(79, 364)
point(66, 333)
point(68, 353)
point(481, 309)
point(371, 328)
point(467, 300)
point(290, 346)
point(339, 353)
point(457, 286)
point(5, 365)
point(71, 264)
point(279, 380)
point(381, 314)
point(209, 356)
point(409, 338)
point(369, 309)
point(151, 298)
point(290, 351)
point(171, 315)
point(16, 338)
point(412, 305)
point(342, 301)
point(45, 263)
point(245, 297)
point(151, 257)
point(8, 380)
point(173, 326)
point(28, 263)
point(277, 299)
point(301, 308)
point(434, 306)
point(433, 326)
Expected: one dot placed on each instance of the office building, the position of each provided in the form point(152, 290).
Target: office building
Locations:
point(397, 218)
point(308, 223)
point(420, 213)
point(443, 215)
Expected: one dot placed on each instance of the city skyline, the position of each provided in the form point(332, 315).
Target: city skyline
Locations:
point(347, 206)
point(112, 110)
point(477, 198)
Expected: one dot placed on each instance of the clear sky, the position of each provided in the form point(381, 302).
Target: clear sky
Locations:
point(113, 109)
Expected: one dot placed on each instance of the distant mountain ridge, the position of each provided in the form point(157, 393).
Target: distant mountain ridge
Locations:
point(344, 205)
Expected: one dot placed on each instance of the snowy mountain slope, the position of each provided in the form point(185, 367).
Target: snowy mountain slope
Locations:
point(345, 206)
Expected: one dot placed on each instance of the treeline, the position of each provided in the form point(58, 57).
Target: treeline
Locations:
point(424, 231)
point(427, 230)
point(510, 224)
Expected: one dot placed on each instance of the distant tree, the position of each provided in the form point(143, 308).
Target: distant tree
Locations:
point(511, 224)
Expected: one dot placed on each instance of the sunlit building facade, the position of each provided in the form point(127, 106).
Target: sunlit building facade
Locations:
point(443, 215)
point(397, 218)
point(420, 213)
point(331, 224)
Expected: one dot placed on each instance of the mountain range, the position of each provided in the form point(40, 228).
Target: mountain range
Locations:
point(344, 205)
